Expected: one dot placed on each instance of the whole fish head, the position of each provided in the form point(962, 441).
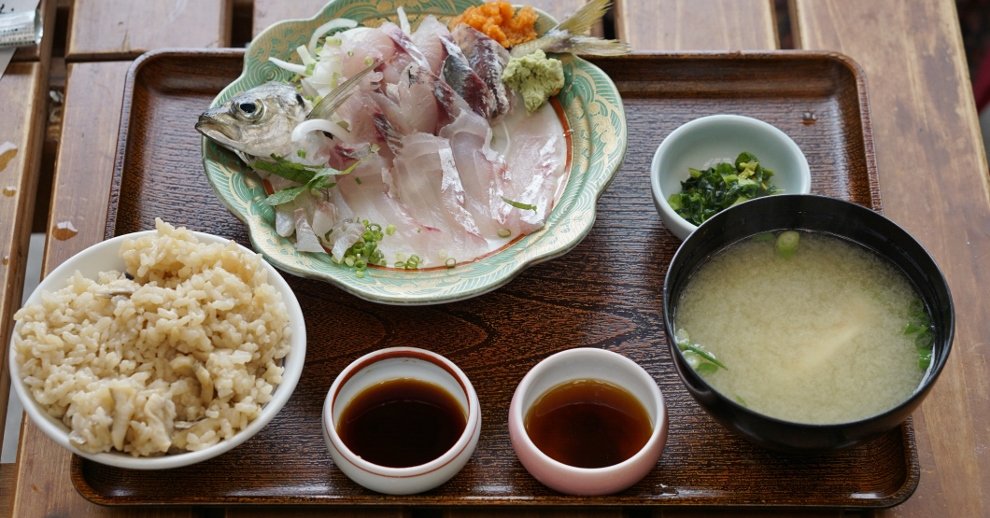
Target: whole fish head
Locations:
point(258, 122)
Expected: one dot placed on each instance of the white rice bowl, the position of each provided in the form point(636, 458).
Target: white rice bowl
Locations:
point(242, 379)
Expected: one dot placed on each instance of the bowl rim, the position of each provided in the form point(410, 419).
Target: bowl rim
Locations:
point(588, 356)
point(463, 445)
point(109, 249)
point(679, 225)
point(928, 379)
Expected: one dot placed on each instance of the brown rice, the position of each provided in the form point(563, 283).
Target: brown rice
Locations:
point(179, 358)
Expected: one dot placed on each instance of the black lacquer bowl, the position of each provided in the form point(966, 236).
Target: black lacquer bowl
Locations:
point(839, 218)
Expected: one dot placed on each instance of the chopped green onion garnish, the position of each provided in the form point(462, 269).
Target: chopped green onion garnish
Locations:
point(701, 360)
point(364, 251)
point(787, 243)
point(519, 204)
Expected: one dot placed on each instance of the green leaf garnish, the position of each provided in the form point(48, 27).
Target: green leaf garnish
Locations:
point(285, 195)
point(313, 178)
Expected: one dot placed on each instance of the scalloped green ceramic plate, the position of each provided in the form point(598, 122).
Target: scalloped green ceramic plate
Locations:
point(593, 111)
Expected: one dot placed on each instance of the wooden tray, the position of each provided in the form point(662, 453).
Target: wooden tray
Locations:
point(605, 293)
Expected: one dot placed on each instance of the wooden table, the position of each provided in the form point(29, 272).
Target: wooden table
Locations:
point(932, 170)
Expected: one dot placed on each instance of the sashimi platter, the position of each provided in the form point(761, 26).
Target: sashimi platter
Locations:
point(417, 152)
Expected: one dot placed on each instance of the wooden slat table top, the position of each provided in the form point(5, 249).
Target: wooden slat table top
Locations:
point(267, 12)
point(82, 180)
point(697, 24)
point(123, 29)
point(933, 177)
point(22, 91)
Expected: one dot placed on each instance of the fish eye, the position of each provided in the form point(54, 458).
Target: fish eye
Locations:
point(248, 110)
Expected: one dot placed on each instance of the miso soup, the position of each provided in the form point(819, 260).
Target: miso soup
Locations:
point(805, 327)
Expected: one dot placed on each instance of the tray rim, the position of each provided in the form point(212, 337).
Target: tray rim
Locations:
point(911, 474)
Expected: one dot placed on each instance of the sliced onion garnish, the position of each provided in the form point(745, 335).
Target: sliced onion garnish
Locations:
point(285, 65)
point(307, 126)
point(338, 23)
point(304, 54)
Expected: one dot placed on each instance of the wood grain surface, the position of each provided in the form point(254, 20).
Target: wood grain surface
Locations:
point(21, 136)
point(124, 29)
point(923, 117)
point(925, 121)
point(604, 293)
point(82, 180)
point(696, 24)
point(267, 12)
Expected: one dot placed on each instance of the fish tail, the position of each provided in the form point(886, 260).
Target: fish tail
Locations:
point(590, 46)
point(570, 35)
point(585, 17)
point(329, 104)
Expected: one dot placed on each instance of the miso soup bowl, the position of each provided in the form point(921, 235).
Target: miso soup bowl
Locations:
point(580, 364)
point(397, 363)
point(838, 218)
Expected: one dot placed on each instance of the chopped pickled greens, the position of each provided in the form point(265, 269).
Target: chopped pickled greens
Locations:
point(700, 359)
point(710, 191)
point(920, 327)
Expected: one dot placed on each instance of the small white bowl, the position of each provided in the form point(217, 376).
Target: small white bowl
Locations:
point(103, 257)
point(580, 364)
point(722, 136)
point(398, 363)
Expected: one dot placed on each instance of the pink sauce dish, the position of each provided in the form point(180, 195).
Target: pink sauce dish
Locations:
point(401, 420)
point(588, 422)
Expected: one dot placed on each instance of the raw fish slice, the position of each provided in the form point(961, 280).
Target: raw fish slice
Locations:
point(535, 151)
point(357, 49)
point(409, 236)
point(410, 106)
point(406, 53)
point(480, 169)
point(427, 183)
point(488, 59)
point(329, 104)
point(449, 103)
point(405, 43)
point(532, 177)
point(389, 133)
point(340, 155)
point(457, 72)
point(427, 39)
point(333, 219)
point(361, 46)
point(357, 114)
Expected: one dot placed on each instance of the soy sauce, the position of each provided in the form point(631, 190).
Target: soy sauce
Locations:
point(588, 424)
point(402, 422)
